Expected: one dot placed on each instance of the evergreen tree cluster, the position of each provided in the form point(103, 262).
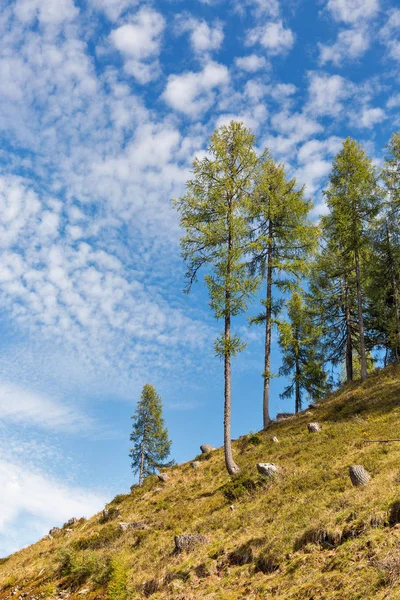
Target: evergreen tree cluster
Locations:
point(331, 290)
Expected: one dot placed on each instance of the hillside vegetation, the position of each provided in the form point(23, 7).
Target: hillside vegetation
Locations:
point(307, 533)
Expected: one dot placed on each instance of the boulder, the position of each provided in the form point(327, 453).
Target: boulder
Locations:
point(188, 541)
point(133, 525)
point(163, 477)
point(267, 469)
point(275, 439)
point(313, 405)
point(358, 475)
point(313, 427)
point(282, 416)
point(206, 448)
point(196, 464)
point(71, 522)
point(54, 531)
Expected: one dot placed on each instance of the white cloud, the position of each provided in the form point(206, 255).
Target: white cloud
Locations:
point(47, 12)
point(390, 34)
point(272, 36)
point(326, 94)
point(298, 126)
point(394, 101)
point(353, 11)
point(18, 405)
point(193, 93)
point(139, 41)
point(350, 45)
point(251, 63)
point(31, 503)
point(203, 37)
point(113, 8)
point(370, 117)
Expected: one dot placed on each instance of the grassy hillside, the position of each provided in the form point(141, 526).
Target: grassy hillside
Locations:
point(306, 534)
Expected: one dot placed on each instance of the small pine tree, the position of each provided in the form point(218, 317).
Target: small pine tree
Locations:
point(299, 339)
point(151, 446)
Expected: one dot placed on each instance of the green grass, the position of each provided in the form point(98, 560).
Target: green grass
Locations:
point(307, 533)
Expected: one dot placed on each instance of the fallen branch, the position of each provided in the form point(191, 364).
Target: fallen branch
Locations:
point(379, 441)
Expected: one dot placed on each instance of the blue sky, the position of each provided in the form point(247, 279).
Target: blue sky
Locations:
point(103, 106)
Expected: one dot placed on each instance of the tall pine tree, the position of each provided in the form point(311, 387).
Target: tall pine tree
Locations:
point(303, 359)
point(213, 217)
point(332, 300)
point(391, 171)
point(151, 446)
point(282, 239)
point(353, 197)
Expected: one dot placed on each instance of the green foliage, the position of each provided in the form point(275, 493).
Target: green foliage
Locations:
point(299, 339)
point(117, 586)
point(76, 568)
point(254, 439)
point(282, 238)
point(391, 171)
point(241, 485)
point(151, 446)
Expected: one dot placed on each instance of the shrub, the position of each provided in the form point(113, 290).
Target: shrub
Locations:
point(254, 439)
point(77, 568)
point(117, 586)
point(241, 485)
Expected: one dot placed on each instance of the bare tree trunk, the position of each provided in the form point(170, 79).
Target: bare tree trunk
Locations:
point(298, 394)
point(268, 331)
point(363, 356)
point(141, 466)
point(349, 341)
point(231, 466)
point(395, 292)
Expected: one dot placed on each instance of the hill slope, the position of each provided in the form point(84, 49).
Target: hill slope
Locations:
point(307, 533)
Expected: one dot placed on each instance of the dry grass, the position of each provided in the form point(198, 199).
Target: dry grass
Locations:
point(308, 533)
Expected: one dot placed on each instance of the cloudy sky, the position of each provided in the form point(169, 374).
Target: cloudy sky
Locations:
point(103, 106)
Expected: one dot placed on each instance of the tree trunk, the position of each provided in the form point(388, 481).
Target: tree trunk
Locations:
point(141, 466)
point(395, 292)
point(231, 466)
point(363, 356)
point(298, 395)
point(349, 341)
point(268, 331)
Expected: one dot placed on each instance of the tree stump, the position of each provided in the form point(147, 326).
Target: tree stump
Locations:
point(313, 427)
point(187, 542)
point(163, 477)
point(206, 448)
point(267, 469)
point(358, 475)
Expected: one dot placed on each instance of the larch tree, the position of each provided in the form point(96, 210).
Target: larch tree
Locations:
point(151, 446)
point(391, 171)
point(282, 238)
point(353, 198)
point(213, 216)
point(332, 300)
point(303, 359)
